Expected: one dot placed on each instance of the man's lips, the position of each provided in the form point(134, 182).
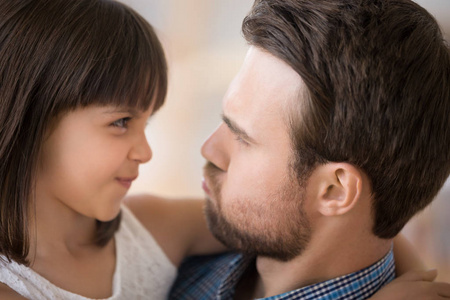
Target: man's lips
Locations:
point(126, 181)
point(205, 187)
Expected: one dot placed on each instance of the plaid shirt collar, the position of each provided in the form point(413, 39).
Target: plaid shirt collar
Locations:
point(216, 277)
point(359, 285)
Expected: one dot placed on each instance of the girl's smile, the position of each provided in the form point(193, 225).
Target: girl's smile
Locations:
point(126, 181)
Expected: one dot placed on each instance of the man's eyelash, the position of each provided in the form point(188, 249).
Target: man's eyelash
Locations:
point(241, 140)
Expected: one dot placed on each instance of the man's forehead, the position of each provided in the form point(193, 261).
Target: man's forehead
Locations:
point(262, 76)
point(262, 93)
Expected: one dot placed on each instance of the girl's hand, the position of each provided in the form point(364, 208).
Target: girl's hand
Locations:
point(414, 285)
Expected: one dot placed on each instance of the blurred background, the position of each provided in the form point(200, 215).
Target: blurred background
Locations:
point(205, 49)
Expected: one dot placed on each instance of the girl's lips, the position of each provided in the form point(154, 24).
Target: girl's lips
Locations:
point(205, 187)
point(126, 182)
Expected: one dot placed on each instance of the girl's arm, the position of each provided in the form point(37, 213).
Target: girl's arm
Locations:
point(178, 225)
point(406, 257)
point(414, 285)
point(413, 282)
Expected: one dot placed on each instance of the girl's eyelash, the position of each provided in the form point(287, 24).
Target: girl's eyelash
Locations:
point(121, 123)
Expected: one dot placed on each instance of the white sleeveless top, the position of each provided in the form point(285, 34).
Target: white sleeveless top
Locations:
point(143, 271)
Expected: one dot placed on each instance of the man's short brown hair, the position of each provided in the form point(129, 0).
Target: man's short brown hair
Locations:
point(377, 74)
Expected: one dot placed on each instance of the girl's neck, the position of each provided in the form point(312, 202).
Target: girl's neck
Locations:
point(63, 240)
point(56, 227)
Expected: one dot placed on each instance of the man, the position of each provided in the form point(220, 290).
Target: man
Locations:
point(335, 133)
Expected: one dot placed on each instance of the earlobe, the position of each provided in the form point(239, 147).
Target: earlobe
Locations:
point(340, 189)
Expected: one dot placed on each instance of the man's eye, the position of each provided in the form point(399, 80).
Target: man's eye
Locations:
point(121, 123)
point(242, 141)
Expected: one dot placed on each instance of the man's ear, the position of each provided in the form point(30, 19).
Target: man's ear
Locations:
point(339, 187)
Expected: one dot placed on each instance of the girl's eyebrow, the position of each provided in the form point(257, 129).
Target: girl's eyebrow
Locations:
point(133, 112)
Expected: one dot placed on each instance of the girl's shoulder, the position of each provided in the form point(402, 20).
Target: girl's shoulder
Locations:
point(6, 293)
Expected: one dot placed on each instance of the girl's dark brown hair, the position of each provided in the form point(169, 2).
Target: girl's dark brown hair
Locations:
point(377, 74)
point(56, 56)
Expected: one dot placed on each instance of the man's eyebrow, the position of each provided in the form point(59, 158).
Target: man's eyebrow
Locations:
point(236, 129)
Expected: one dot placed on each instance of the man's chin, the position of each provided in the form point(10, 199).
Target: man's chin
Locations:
point(234, 238)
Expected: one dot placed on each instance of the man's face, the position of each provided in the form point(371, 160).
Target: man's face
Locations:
point(255, 203)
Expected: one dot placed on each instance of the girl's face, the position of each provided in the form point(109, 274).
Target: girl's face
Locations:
point(90, 159)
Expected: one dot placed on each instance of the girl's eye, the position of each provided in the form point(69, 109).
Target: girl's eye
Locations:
point(121, 123)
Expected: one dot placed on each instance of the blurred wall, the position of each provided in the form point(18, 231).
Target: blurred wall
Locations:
point(205, 49)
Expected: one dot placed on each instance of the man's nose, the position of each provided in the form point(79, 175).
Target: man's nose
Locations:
point(216, 148)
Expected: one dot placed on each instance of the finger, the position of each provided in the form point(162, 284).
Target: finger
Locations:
point(429, 275)
point(443, 289)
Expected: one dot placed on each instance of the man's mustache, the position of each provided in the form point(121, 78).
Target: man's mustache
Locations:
point(211, 173)
point(211, 169)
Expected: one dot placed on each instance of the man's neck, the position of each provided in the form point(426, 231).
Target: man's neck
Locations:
point(321, 261)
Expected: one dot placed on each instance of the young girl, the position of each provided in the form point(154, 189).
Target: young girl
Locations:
point(78, 81)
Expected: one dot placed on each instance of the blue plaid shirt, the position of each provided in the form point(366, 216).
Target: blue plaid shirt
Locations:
point(216, 277)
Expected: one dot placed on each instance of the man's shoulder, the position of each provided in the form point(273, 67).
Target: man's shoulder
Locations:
point(200, 277)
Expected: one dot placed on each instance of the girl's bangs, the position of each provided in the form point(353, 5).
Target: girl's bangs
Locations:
point(133, 73)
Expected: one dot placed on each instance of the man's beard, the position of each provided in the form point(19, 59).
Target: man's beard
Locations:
point(284, 241)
